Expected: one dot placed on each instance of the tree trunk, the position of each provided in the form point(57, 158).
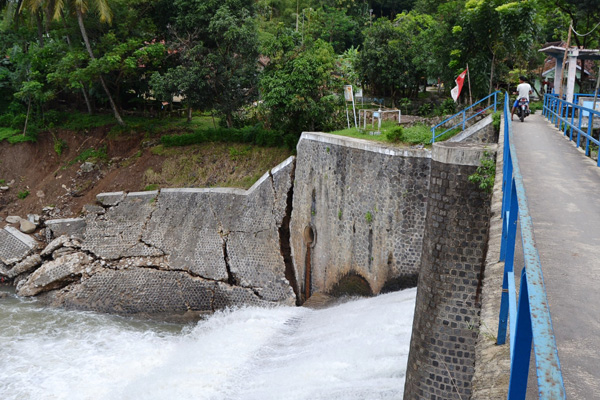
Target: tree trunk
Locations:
point(491, 78)
point(83, 88)
point(27, 117)
point(189, 112)
point(18, 14)
point(91, 53)
point(40, 27)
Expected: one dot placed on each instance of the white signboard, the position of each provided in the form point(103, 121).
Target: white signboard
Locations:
point(348, 93)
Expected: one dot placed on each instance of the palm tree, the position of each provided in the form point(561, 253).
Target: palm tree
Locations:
point(81, 8)
point(12, 9)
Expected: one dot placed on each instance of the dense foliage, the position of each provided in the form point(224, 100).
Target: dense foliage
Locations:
point(279, 64)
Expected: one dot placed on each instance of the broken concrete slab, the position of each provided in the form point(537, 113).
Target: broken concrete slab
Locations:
point(14, 245)
point(55, 274)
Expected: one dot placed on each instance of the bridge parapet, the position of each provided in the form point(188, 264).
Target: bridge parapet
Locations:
point(442, 351)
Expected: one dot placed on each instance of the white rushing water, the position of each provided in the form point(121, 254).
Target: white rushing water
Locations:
point(355, 350)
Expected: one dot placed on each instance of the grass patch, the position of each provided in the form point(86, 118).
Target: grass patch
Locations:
point(90, 154)
point(80, 122)
point(390, 133)
point(213, 165)
point(15, 136)
point(536, 105)
point(133, 124)
point(249, 134)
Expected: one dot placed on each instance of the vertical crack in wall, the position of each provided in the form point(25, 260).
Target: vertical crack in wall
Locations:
point(154, 207)
point(230, 276)
point(284, 235)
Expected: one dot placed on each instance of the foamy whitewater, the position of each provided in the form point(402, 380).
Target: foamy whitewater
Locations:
point(355, 350)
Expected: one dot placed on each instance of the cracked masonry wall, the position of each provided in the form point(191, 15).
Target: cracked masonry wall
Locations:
point(181, 250)
point(359, 209)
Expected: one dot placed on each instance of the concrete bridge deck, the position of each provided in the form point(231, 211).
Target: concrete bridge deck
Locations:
point(563, 193)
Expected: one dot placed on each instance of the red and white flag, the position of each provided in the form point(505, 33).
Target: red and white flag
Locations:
point(455, 92)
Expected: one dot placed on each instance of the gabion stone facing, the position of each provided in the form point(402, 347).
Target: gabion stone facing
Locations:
point(68, 226)
point(181, 250)
point(14, 245)
point(442, 350)
point(359, 209)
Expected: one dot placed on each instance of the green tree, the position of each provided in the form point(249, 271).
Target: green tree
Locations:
point(216, 43)
point(387, 60)
point(81, 9)
point(333, 26)
point(493, 37)
point(299, 86)
point(584, 14)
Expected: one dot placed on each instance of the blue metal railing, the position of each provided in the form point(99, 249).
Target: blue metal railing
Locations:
point(569, 117)
point(463, 115)
point(530, 321)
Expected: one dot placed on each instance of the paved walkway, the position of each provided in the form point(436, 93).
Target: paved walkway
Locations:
point(563, 193)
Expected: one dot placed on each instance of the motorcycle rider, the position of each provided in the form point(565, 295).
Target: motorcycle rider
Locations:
point(523, 90)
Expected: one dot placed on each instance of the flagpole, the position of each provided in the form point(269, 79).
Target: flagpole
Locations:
point(469, 81)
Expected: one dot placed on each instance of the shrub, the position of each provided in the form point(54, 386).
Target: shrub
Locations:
point(6, 120)
point(59, 145)
point(23, 194)
point(18, 121)
point(425, 109)
point(418, 134)
point(91, 153)
point(52, 118)
point(448, 107)
point(395, 135)
point(485, 174)
point(496, 118)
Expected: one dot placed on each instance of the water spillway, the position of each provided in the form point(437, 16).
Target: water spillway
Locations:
point(354, 350)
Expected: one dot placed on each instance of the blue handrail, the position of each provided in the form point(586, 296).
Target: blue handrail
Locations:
point(569, 117)
point(464, 118)
point(529, 317)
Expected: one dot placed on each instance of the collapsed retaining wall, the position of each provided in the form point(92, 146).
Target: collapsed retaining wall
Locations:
point(358, 210)
point(175, 251)
point(442, 350)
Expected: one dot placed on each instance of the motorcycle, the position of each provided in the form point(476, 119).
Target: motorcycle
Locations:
point(522, 108)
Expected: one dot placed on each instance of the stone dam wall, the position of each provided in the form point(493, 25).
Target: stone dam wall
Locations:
point(358, 214)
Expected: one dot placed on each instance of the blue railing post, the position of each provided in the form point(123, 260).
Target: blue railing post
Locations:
point(521, 352)
point(578, 125)
point(495, 100)
point(572, 117)
point(565, 121)
point(589, 134)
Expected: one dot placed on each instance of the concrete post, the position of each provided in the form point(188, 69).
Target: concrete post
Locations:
point(572, 73)
point(558, 74)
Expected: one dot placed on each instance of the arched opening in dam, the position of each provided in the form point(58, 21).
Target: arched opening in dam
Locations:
point(352, 285)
